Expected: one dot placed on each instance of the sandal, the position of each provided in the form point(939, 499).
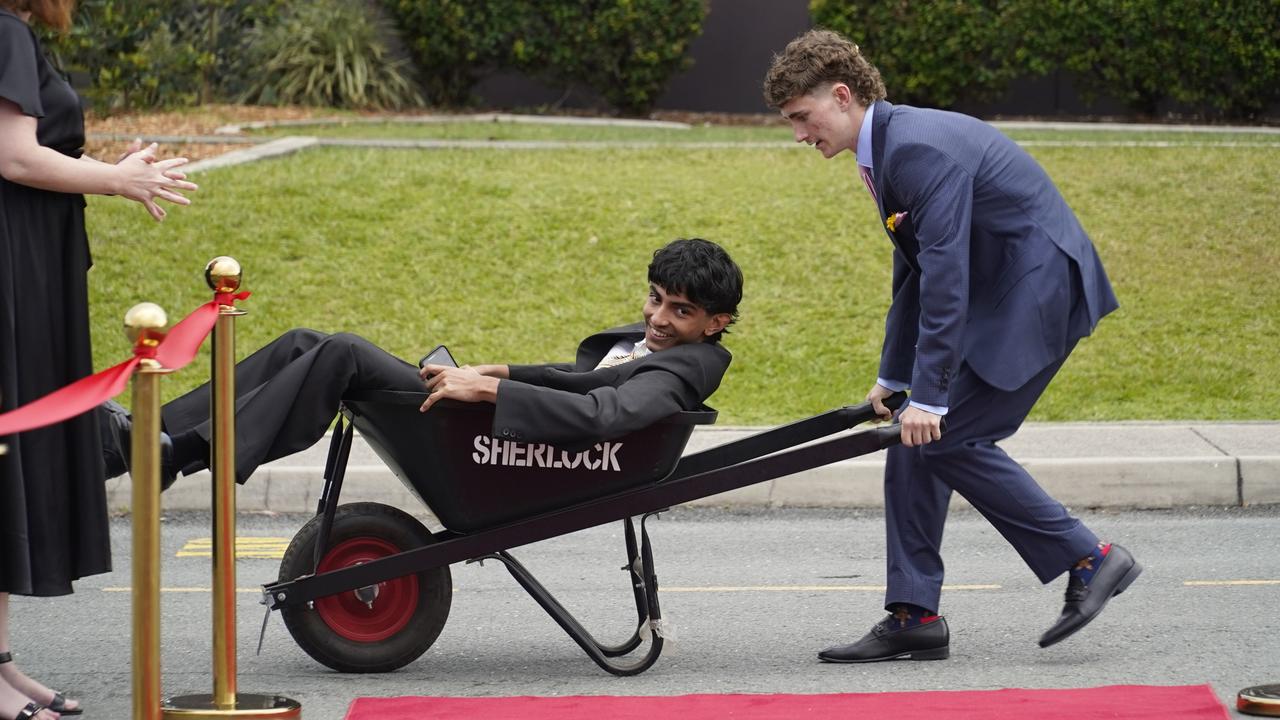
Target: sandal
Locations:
point(29, 712)
point(58, 704)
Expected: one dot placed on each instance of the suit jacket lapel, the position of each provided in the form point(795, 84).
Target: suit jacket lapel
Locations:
point(885, 198)
point(880, 123)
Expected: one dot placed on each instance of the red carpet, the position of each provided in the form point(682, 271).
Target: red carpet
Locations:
point(1120, 702)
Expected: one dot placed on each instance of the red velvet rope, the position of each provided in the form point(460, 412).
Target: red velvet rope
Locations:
point(185, 338)
point(175, 352)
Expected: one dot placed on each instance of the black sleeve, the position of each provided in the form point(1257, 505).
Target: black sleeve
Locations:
point(662, 384)
point(530, 413)
point(537, 374)
point(19, 76)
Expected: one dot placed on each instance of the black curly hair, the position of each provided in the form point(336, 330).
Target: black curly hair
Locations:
point(701, 271)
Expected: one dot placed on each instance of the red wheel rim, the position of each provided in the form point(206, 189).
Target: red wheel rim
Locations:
point(351, 618)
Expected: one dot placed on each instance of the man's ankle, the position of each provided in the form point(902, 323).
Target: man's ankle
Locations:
point(1085, 568)
point(906, 615)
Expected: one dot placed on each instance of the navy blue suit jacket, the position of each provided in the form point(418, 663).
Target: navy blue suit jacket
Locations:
point(976, 277)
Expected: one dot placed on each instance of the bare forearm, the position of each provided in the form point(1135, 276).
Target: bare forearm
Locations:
point(47, 169)
point(139, 176)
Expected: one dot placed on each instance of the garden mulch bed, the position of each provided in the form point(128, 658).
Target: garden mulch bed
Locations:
point(203, 121)
point(200, 121)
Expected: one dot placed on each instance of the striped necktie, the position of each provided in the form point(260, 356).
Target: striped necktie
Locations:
point(866, 178)
point(613, 360)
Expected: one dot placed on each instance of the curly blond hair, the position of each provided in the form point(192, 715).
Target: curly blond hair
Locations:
point(818, 57)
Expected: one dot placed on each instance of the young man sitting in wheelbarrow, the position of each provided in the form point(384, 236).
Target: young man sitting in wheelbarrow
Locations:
point(624, 379)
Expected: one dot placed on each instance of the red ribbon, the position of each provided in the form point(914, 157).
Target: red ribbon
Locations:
point(175, 352)
point(185, 338)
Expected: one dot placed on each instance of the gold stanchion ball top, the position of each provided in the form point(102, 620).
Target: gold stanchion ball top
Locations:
point(223, 274)
point(144, 324)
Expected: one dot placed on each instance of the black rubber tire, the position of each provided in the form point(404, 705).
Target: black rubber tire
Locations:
point(383, 524)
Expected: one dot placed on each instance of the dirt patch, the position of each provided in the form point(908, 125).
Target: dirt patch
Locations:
point(200, 121)
point(203, 121)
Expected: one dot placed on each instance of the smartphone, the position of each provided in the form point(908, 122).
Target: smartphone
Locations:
point(439, 356)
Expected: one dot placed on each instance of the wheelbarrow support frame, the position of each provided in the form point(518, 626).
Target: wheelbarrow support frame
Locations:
point(767, 455)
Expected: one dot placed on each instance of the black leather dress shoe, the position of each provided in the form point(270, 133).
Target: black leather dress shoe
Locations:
point(116, 427)
point(928, 641)
point(1116, 573)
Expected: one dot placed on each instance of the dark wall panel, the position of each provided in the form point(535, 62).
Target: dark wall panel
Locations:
point(738, 41)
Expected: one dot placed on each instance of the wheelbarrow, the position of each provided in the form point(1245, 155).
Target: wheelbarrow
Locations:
point(366, 587)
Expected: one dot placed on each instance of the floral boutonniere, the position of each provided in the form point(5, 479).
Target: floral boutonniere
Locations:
point(893, 221)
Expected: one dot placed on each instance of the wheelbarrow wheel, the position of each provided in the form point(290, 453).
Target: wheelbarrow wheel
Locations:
point(374, 629)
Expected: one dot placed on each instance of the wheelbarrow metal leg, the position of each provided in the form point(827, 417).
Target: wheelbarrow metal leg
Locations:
point(572, 627)
point(650, 583)
point(635, 574)
point(334, 471)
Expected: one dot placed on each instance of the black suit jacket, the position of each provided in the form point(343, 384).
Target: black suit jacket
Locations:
point(575, 405)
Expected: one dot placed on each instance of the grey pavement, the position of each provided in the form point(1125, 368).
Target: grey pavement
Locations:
point(1112, 465)
point(750, 597)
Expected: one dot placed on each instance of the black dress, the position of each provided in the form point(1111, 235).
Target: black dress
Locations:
point(53, 507)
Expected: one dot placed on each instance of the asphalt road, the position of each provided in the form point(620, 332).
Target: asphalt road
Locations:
point(752, 595)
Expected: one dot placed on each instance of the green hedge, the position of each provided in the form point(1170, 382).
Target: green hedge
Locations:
point(454, 42)
point(624, 50)
point(930, 52)
point(1221, 57)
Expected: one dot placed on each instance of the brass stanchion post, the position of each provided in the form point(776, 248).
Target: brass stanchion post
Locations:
point(144, 324)
point(1259, 700)
point(223, 275)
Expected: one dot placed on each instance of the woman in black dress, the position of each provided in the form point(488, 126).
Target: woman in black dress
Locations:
point(53, 514)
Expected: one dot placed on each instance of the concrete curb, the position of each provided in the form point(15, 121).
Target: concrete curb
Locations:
point(275, 148)
point(1113, 465)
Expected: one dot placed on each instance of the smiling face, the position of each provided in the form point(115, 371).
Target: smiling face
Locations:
point(827, 118)
point(671, 319)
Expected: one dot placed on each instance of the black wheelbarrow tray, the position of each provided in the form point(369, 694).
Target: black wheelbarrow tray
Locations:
point(365, 587)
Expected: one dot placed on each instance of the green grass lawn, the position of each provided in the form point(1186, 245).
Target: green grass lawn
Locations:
point(515, 255)
point(505, 130)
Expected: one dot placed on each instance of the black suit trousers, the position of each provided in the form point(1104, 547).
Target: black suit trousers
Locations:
point(288, 393)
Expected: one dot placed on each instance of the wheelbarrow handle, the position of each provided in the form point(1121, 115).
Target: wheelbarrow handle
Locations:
point(863, 412)
point(887, 435)
point(896, 400)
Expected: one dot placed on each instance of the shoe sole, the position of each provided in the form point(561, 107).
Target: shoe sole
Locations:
point(1129, 576)
point(941, 653)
